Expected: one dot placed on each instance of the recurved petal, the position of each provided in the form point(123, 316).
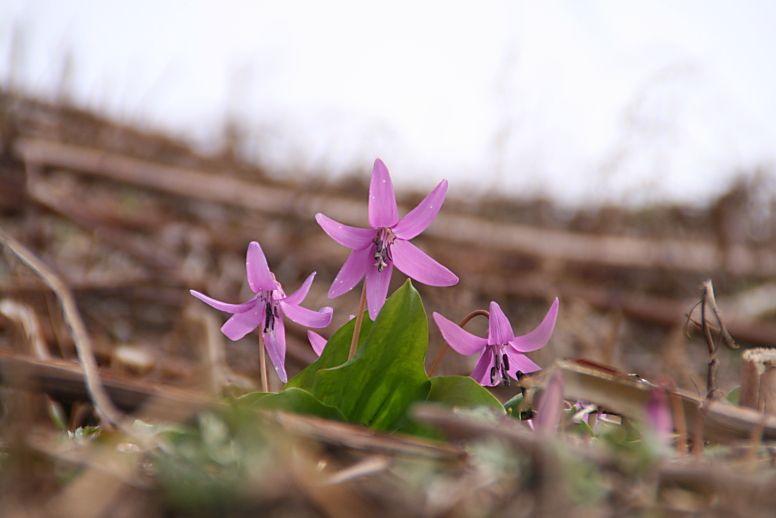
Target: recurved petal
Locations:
point(539, 336)
point(419, 218)
point(259, 276)
point(298, 296)
point(307, 317)
point(317, 341)
point(275, 342)
point(481, 373)
point(519, 362)
point(462, 341)
point(377, 288)
point(352, 271)
point(383, 211)
point(351, 237)
point(224, 306)
point(240, 324)
point(417, 264)
point(499, 328)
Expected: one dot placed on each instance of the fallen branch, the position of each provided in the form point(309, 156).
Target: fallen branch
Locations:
point(620, 251)
point(81, 338)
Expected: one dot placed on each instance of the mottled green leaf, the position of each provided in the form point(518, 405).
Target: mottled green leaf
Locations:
point(377, 386)
point(334, 354)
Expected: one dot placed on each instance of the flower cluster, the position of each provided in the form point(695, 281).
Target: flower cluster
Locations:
point(375, 252)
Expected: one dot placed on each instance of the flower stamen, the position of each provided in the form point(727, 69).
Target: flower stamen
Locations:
point(383, 241)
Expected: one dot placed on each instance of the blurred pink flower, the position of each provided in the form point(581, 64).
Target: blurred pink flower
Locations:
point(550, 408)
point(659, 420)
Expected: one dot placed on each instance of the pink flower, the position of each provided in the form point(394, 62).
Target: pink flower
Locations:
point(376, 250)
point(267, 308)
point(501, 354)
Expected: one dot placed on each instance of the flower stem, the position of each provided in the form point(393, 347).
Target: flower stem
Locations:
point(359, 320)
point(445, 347)
point(263, 364)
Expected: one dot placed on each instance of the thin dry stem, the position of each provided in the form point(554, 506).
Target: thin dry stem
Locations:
point(83, 342)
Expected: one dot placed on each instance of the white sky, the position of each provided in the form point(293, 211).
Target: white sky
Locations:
point(585, 102)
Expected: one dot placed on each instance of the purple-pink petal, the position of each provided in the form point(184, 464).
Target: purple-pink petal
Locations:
point(659, 416)
point(317, 342)
point(383, 211)
point(481, 372)
point(519, 362)
point(377, 283)
point(351, 237)
point(539, 336)
point(462, 341)
point(499, 328)
point(275, 342)
point(224, 306)
point(240, 324)
point(307, 317)
point(419, 218)
point(352, 271)
point(418, 265)
point(298, 296)
point(551, 405)
point(259, 276)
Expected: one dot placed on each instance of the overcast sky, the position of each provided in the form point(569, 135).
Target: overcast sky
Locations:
point(584, 102)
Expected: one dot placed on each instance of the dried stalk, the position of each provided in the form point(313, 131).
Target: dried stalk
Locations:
point(83, 343)
point(620, 251)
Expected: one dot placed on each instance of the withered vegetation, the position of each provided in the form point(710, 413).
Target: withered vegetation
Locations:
point(125, 223)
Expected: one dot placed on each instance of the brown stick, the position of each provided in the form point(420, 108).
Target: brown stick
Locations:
point(445, 347)
point(622, 251)
point(83, 342)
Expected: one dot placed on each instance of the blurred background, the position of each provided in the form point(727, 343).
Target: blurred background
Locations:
point(615, 155)
point(584, 104)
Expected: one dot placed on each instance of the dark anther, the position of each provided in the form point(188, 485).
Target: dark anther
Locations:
point(504, 377)
point(269, 318)
point(493, 376)
point(506, 362)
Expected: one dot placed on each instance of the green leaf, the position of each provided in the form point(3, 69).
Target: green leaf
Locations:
point(334, 354)
point(293, 400)
point(377, 386)
point(734, 395)
point(462, 391)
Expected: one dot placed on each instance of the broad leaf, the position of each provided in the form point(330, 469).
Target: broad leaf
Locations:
point(377, 386)
point(293, 400)
point(462, 391)
point(334, 354)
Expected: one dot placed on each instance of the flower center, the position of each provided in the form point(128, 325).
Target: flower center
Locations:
point(270, 315)
point(383, 241)
point(498, 373)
